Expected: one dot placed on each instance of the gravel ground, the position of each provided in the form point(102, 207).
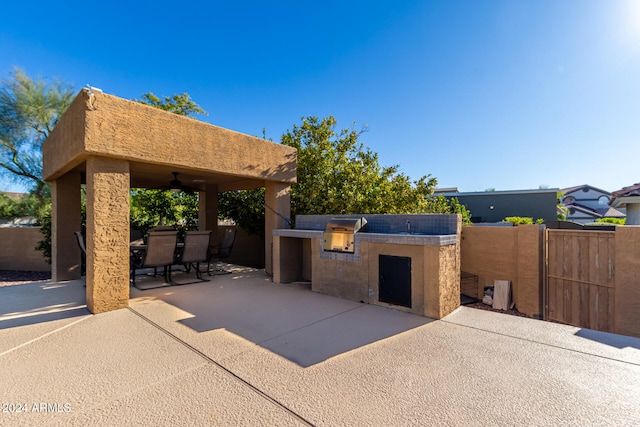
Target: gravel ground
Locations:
point(10, 277)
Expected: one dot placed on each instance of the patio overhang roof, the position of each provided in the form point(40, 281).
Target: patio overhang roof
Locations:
point(157, 143)
point(112, 145)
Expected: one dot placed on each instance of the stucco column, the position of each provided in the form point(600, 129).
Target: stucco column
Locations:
point(277, 213)
point(65, 219)
point(633, 213)
point(107, 234)
point(208, 210)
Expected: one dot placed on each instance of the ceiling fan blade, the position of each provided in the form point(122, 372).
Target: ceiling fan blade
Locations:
point(176, 184)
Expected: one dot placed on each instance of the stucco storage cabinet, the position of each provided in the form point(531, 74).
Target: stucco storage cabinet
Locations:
point(406, 262)
point(112, 145)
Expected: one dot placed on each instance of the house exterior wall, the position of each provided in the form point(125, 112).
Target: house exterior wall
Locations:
point(494, 206)
point(587, 196)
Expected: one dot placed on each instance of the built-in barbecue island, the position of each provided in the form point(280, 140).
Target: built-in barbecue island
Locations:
point(407, 262)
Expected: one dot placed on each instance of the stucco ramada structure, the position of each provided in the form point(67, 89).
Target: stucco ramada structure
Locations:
point(111, 145)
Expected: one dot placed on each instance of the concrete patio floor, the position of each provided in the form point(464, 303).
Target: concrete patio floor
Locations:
point(241, 350)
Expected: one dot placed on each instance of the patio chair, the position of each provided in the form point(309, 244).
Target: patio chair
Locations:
point(141, 241)
point(136, 237)
point(160, 252)
point(83, 252)
point(195, 251)
point(221, 251)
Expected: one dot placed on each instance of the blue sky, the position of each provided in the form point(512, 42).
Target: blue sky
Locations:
point(480, 94)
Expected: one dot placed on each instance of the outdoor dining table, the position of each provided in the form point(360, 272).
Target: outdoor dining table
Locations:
point(140, 248)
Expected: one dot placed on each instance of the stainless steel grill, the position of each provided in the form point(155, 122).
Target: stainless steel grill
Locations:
point(339, 235)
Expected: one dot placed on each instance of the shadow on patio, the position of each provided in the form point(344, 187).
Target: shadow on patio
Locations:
point(41, 302)
point(290, 320)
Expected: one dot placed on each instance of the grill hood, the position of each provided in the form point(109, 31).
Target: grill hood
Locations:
point(339, 235)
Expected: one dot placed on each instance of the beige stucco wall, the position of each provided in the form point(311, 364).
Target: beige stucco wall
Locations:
point(18, 249)
point(248, 249)
point(343, 279)
point(627, 277)
point(66, 219)
point(110, 126)
point(448, 284)
point(108, 234)
point(116, 144)
point(435, 276)
point(19, 253)
point(420, 303)
point(506, 253)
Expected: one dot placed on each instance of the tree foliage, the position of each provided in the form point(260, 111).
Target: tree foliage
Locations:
point(19, 207)
point(615, 221)
point(245, 207)
point(29, 110)
point(150, 208)
point(180, 104)
point(520, 220)
point(338, 174)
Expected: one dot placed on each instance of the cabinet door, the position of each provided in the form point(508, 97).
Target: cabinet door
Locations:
point(394, 285)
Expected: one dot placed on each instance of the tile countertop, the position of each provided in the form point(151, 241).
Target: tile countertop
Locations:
point(398, 239)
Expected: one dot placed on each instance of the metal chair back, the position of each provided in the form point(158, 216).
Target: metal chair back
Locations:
point(196, 246)
point(161, 248)
point(224, 250)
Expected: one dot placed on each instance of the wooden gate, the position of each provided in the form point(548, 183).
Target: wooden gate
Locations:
point(580, 285)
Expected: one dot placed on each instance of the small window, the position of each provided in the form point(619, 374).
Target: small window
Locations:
point(603, 200)
point(569, 199)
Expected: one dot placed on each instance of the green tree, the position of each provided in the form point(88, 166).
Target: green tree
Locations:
point(245, 207)
point(615, 221)
point(18, 207)
point(29, 110)
point(563, 211)
point(154, 207)
point(440, 204)
point(338, 174)
point(180, 104)
point(150, 208)
point(518, 220)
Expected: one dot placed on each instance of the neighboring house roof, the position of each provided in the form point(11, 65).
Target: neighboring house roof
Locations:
point(501, 192)
point(445, 190)
point(632, 190)
point(626, 195)
point(610, 213)
point(569, 190)
point(603, 212)
point(575, 207)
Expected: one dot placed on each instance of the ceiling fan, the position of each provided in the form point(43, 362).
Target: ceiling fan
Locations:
point(176, 185)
